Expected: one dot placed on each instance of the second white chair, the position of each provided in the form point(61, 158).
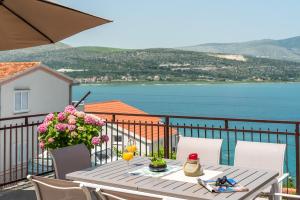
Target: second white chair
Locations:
point(265, 156)
point(209, 150)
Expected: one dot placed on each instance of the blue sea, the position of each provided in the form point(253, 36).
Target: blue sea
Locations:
point(272, 101)
point(277, 101)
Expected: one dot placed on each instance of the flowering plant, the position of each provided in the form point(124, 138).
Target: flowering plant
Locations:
point(70, 127)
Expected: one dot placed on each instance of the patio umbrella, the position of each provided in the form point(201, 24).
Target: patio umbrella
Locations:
point(28, 23)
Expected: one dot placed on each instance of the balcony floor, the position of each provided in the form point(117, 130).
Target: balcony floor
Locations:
point(22, 191)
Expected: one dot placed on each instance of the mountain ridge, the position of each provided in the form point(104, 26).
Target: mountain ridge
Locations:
point(282, 49)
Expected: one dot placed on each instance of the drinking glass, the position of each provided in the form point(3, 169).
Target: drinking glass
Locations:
point(127, 156)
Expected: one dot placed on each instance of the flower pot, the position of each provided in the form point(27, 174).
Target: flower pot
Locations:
point(69, 159)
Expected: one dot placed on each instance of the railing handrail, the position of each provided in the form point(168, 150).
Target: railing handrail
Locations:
point(23, 117)
point(170, 117)
point(201, 117)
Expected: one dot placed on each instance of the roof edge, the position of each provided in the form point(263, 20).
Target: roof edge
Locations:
point(38, 66)
point(108, 101)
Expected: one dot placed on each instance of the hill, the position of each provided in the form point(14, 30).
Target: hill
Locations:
point(101, 64)
point(285, 49)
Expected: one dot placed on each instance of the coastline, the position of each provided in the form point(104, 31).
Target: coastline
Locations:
point(186, 82)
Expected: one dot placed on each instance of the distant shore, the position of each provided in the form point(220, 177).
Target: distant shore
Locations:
point(184, 82)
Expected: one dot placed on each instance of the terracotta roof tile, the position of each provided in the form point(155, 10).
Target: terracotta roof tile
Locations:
point(116, 106)
point(8, 69)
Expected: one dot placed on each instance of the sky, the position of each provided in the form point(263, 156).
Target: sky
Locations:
point(176, 23)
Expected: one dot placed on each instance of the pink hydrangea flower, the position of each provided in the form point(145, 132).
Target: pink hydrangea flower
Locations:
point(104, 138)
point(51, 140)
point(100, 122)
point(61, 116)
point(96, 140)
point(74, 134)
point(42, 128)
point(49, 117)
point(42, 144)
point(47, 123)
point(89, 119)
point(61, 127)
point(71, 127)
point(70, 109)
point(71, 117)
point(72, 121)
point(79, 114)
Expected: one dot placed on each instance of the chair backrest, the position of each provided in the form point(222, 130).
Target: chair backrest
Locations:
point(209, 150)
point(70, 159)
point(54, 189)
point(260, 155)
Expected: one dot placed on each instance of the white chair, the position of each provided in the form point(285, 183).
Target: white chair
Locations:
point(266, 156)
point(54, 189)
point(209, 150)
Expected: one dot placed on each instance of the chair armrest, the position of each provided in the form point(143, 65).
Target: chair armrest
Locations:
point(292, 196)
point(103, 195)
point(88, 185)
point(281, 178)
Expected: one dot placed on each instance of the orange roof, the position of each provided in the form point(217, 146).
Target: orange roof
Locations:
point(8, 69)
point(12, 70)
point(116, 106)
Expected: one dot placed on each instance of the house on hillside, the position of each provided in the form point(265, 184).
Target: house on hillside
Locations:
point(29, 88)
point(148, 131)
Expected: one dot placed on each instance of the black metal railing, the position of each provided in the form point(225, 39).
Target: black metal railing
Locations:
point(155, 134)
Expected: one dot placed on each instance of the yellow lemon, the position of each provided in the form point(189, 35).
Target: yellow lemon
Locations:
point(131, 148)
point(127, 156)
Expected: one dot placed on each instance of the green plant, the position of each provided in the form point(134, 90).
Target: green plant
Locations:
point(158, 162)
point(290, 183)
point(118, 152)
point(161, 152)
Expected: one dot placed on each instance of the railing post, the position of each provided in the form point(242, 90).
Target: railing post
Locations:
point(297, 158)
point(228, 143)
point(113, 118)
point(166, 137)
point(26, 121)
point(226, 124)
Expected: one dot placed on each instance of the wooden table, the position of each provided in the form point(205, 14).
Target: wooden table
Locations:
point(116, 174)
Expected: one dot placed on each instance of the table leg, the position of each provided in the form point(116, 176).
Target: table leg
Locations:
point(275, 189)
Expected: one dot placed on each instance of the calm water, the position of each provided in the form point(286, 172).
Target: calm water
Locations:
point(274, 101)
point(259, 101)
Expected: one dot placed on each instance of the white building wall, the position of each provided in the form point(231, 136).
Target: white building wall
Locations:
point(113, 131)
point(141, 144)
point(47, 93)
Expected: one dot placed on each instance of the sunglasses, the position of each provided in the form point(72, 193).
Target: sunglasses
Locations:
point(225, 182)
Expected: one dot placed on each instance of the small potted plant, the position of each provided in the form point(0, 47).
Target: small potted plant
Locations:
point(157, 164)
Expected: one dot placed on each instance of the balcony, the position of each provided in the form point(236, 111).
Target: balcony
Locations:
point(20, 154)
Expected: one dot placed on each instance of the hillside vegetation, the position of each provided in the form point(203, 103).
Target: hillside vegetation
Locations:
point(100, 64)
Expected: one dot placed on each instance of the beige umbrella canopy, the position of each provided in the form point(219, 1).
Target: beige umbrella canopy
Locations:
point(28, 23)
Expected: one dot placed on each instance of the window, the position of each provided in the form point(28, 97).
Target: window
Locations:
point(117, 138)
point(21, 101)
